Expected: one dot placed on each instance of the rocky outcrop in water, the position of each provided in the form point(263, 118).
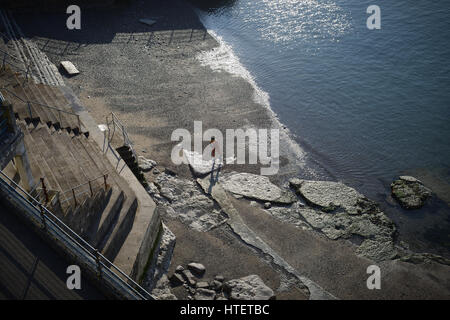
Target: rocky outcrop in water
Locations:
point(410, 192)
point(417, 258)
point(339, 211)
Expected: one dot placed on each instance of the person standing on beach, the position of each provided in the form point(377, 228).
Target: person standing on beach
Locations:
point(215, 151)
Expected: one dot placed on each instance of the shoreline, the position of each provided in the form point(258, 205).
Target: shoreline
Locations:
point(220, 99)
point(322, 167)
point(161, 66)
point(157, 84)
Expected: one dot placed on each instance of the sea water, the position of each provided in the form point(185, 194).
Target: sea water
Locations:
point(368, 105)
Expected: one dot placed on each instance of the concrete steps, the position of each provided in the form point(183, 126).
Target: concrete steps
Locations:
point(66, 161)
point(38, 102)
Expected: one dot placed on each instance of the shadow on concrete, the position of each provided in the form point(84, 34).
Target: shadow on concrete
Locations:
point(117, 23)
point(30, 268)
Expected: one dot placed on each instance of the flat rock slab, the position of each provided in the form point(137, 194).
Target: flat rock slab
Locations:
point(69, 68)
point(248, 288)
point(148, 22)
point(255, 187)
point(328, 195)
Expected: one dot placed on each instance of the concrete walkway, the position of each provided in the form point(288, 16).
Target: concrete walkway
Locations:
point(30, 269)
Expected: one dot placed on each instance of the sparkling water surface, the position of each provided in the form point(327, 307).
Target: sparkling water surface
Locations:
point(368, 104)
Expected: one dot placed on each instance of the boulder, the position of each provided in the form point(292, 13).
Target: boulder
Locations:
point(204, 294)
point(179, 269)
point(176, 280)
point(248, 288)
point(189, 277)
point(216, 285)
point(146, 164)
point(152, 188)
point(197, 268)
point(219, 278)
point(202, 284)
point(410, 192)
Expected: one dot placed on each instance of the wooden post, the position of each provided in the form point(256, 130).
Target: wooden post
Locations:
point(104, 179)
point(90, 188)
point(45, 190)
point(99, 265)
point(29, 109)
point(44, 225)
point(74, 197)
point(79, 123)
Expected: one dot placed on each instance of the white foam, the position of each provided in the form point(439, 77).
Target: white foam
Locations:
point(223, 59)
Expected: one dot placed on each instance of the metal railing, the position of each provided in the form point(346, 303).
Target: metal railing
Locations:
point(30, 112)
point(73, 193)
point(90, 256)
point(112, 119)
point(28, 102)
point(6, 55)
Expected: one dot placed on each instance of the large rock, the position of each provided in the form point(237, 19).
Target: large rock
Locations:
point(189, 277)
point(248, 288)
point(183, 200)
point(339, 211)
point(176, 279)
point(255, 187)
point(204, 294)
point(378, 249)
point(329, 195)
point(417, 258)
point(146, 164)
point(197, 268)
point(410, 192)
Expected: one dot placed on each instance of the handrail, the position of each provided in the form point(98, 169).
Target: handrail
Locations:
point(102, 263)
point(104, 176)
point(38, 103)
point(6, 54)
point(116, 122)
